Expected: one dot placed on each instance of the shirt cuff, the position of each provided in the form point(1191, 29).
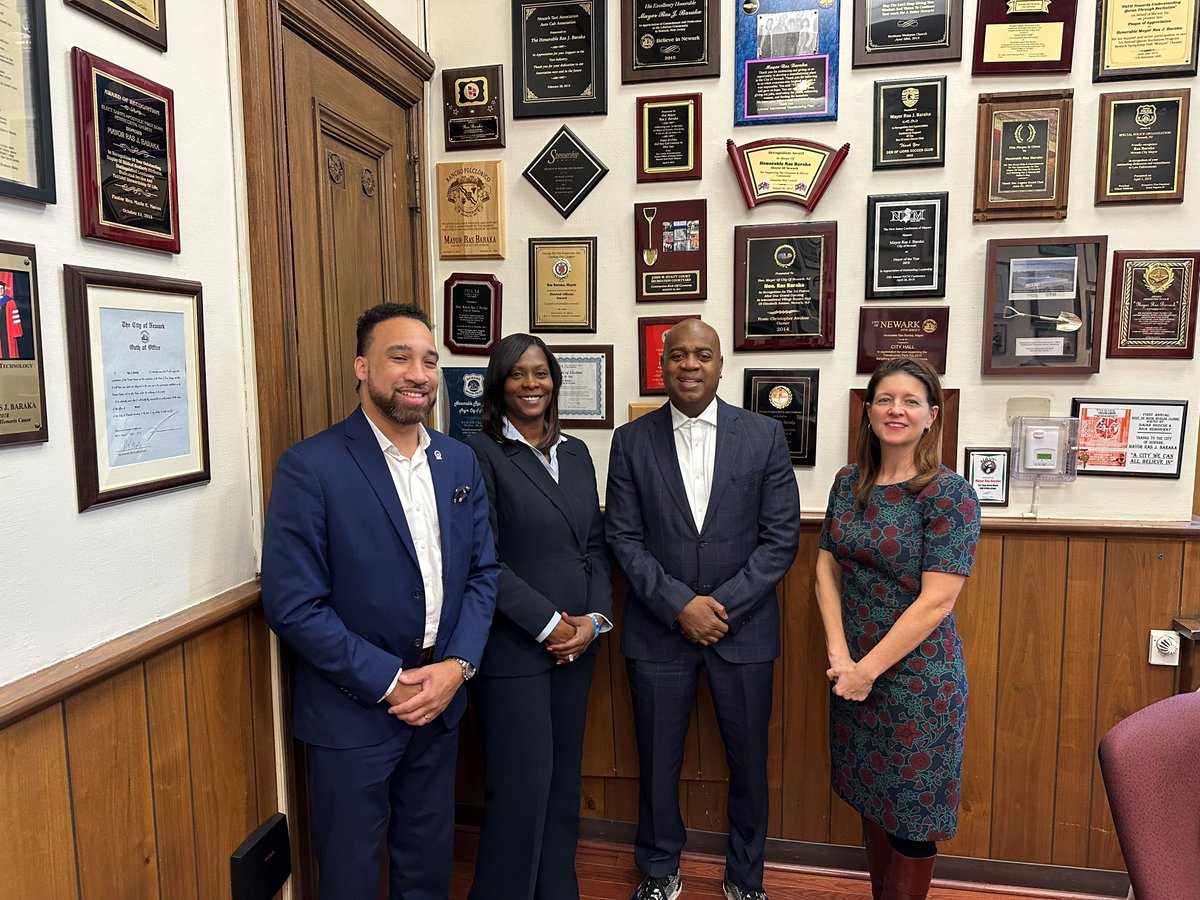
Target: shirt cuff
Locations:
point(545, 632)
point(392, 686)
point(605, 625)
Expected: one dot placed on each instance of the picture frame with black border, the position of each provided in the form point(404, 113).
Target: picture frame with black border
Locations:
point(790, 397)
point(902, 38)
point(687, 44)
point(569, 40)
point(906, 245)
point(28, 139)
point(909, 123)
point(586, 397)
point(1130, 438)
point(1141, 147)
point(987, 469)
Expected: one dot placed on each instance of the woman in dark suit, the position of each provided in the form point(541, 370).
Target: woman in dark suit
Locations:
point(555, 599)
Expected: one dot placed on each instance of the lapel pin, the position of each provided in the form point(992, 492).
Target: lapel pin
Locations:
point(437, 454)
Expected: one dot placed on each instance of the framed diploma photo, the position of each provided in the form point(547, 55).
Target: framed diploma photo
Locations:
point(986, 470)
point(125, 136)
point(562, 284)
point(1145, 39)
point(786, 69)
point(471, 313)
point(135, 344)
point(470, 206)
point(559, 58)
point(670, 240)
point(22, 382)
point(146, 20)
point(1041, 316)
point(1142, 146)
point(948, 415)
point(1130, 437)
point(1023, 155)
point(668, 138)
point(586, 397)
point(662, 41)
point(473, 107)
point(789, 396)
point(784, 286)
point(651, 332)
point(1023, 36)
point(910, 123)
point(26, 138)
point(1152, 314)
point(918, 332)
point(890, 33)
point(565, 171)
point(906, 245)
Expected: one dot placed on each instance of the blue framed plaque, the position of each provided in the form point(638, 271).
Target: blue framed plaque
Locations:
point(463, 388)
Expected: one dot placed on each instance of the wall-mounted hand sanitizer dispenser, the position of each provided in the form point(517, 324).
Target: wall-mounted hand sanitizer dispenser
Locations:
point(1044, 448)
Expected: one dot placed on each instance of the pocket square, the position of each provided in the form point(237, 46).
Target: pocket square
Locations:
point(460, 493)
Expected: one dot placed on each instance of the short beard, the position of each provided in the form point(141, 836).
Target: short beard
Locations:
point(390, 406)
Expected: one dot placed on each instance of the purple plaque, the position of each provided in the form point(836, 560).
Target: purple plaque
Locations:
point(888, 332)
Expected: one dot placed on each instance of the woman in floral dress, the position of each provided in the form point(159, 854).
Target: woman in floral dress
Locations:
point(897, 544)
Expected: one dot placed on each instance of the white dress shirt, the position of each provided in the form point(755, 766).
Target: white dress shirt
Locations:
point(696, 449)
point(414, 486)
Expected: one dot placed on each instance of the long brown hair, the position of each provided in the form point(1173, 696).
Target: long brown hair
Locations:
point(928, 453)
point(504, 358)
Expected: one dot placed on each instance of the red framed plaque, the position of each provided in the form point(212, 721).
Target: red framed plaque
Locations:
point(651, 331)
point(788, 170)
point(784, 285)
point(1153, 307)
point(670, 241)
point(668, 138)
point(1023, 36)
point(125, 137)
point(471, 313)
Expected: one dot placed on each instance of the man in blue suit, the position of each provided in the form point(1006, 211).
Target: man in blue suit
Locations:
point(703, 516)
point(379, 572)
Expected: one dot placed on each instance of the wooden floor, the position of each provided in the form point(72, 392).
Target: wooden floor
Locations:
point(607, 872)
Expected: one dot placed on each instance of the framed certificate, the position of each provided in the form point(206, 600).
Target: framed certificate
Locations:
point(1041, 316)
point(918, 332)
point(1145, 39)
point(586, 397)
point(784, 286)
point(789, 396)
point(22, 380)
point(906, 245)
point(1142, 146)
point(562, 284)
point(662, 41)
point(559, 58)
point(1152, 313)
point(473, 107)
point(651, 331)
point(1130, 437)
point(1023, 155)
point(668, 138)
point(910, 123)
point(890, 33)
point(986, 470)
point(146, 20)
point(135, 344)
point(471, 313)
point(470, 206)
point(786, 69)
point(27, 138)
point(1023, 36)
point(948, 414)
point(670, 240)
point(565, 171)
point(125, 136)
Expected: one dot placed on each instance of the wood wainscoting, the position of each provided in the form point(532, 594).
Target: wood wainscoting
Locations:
point(135, 769)
point(1054, 622)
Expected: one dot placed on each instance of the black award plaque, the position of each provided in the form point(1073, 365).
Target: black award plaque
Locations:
point(889, 33)
point(789, 396)
point(906, 245)
point(473, 105)
point(910, 123)
point(565, 171)
point(662, 41)
point(559, 57)
point(1142, 147)
point(472, 312)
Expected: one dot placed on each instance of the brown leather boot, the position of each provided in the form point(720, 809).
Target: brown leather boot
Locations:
point(908, 877)
point(879, 855)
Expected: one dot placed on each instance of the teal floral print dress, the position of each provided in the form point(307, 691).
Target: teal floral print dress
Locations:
point(897, 755)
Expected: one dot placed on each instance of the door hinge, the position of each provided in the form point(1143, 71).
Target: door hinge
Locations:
point(414, 183)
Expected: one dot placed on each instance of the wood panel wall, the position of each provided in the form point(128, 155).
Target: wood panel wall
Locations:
point(1055, 625)
point(135, 771)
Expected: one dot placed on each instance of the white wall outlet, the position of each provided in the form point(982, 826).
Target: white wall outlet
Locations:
point(1164, 648)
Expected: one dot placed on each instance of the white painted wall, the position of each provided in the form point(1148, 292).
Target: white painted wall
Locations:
point(73, 580)
point(608, 213)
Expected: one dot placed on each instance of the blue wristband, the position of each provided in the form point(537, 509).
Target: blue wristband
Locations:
point(596, 622)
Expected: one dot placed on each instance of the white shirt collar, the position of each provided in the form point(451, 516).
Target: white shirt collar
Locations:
point(709, 415)
point(385, 443)
point(510, 432)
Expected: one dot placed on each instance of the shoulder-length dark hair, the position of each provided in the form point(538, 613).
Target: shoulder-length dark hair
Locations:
point(928, 453)
point(500, 365)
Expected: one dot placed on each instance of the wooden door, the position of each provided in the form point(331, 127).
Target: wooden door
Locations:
point(352, 225)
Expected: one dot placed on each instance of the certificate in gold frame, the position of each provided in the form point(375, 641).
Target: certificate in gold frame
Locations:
point(562, 284)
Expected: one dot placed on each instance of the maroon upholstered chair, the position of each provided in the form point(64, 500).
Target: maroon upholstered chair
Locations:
point(1151, 765)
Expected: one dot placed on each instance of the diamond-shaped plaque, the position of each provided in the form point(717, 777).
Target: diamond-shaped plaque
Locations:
point(565, 171)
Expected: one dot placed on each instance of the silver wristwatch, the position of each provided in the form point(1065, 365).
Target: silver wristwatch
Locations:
point(468, 669)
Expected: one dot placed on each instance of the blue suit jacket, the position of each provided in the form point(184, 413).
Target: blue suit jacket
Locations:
point(749, 539)
point(340, 581)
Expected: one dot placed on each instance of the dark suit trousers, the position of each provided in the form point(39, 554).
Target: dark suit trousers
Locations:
point(663, 696)
point(533, 747)
point(412, 777)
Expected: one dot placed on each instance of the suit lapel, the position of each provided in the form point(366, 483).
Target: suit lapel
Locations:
point(522, 457)
point(727, 439)
point(443, 488)
point(662, 441)
point(364, 448)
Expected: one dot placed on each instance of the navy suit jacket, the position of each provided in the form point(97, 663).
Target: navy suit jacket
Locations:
point(749, 539)
point(550, 541)
point(342, 588)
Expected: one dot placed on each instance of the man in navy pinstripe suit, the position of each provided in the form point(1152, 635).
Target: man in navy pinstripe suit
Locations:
point(703, 516)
